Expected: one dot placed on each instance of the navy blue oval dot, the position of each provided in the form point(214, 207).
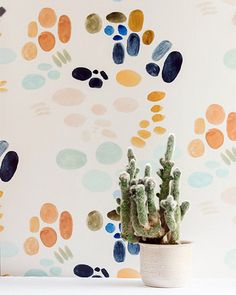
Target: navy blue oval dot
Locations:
point(97, 269)
point(9, 166)
point(104, 75)
point(153, 69)
point(95, 83)
point(117, 38)
point(117, 236)
point(105, 273)
point(81, 74)
point(133, 44)
point(133, 249)
point(172, 66)
point(120, 227)
point(96, 276)
point(95, 72)
point(83, 271)
point(118, 53)
point(119, 251)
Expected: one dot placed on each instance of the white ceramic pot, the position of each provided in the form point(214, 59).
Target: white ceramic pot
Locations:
point(166, 266)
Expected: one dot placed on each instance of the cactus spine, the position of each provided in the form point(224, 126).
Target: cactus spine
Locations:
point(144, 215)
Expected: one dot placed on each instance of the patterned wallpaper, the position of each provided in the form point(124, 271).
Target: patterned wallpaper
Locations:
point(80, 82)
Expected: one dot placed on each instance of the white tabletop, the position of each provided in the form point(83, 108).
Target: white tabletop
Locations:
point(71, 286)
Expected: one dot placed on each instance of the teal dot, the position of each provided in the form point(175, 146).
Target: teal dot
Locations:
point(110, 228)
point(44, 67)
point(55, 271)
point(71, 159)
point(7, 55)
point(230, 259)
point(33, 81)
point(8, 249)
point(200, 179)
point(35, 273)
point(212, 164)
point(54, 75)
point(97, 181)
point(222, 172)
point(46, 262)
point(108, 153)
point(230, 59)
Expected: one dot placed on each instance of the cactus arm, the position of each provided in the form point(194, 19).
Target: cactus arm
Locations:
point(150, 192)
point(175, 185)
point(147, 171)
point(169, 205)
point(184, 208)
point(170, 147)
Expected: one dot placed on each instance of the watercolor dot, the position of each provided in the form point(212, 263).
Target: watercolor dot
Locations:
point(125, 105)
point(215, 114)
point(133, 249)
point(75, 120)
point(196, 148)
point(117, 236)
point(55, 271)
point(33, 81)
point(108, 133)
point(47, 17)
point(116, 194)
point(44, 67)
point(34, 224)
point(230, 59)
point(144, 134)
point(110, 228)
point(128, 273)
point(222, 172)
point(29, 51)
point(128, 78)
point(138, 142)
point(199, 126)
point(32, 29)
point(31, 246)
point(230, 259)
point(8, 249)
point(158, 118)
point(99, 109)
point(93, 23)
point(48, 236)
point(200, 179)
point(214, 138)
point(54, 75)
point(35, 273)
point(122, 30)
point(7, 55)
point(109, 30)
point(69, 97)
point(49, 213)
point(108, 153)
point(46, 262)
point(156, 96)
point(94, 220)
point(97, 181)
point(83, 271)
point(231, 126)
point(119, 251)
point(70, 159)
point(144, 123)
point(159, 130)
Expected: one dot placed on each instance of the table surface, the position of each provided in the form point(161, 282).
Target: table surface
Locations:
point(71, 286)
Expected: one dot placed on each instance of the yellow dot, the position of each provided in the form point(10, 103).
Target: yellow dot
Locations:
point(1, 194)
point(159, 130)
point(158, 118)
point(128, 273)
point(128, 78)
point(1, 228)
point(156, 95)
point(144, 134)
point(156, 109)
point(144, 124)
point(1, 215)
point(138, 142)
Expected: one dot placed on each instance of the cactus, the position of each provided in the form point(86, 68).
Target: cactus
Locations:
point(144, 215)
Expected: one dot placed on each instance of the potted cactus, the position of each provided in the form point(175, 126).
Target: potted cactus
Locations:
point(153, 220)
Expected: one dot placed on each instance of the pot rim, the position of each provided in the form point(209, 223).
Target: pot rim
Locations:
point(182, 244)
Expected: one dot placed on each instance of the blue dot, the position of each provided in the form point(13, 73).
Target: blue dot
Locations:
point(54, 75)
point(119, 251)
point(122, 30)
point(117, 236)
point(117, 38)
point(35, 273)
point(33, 81)
point(116, 194)
point(44, 67)
point(133, 249)
point(120, 227)
point(110, 228)
point(200, 179)
point(55, 271)
point(222, 172)
point(109, 30)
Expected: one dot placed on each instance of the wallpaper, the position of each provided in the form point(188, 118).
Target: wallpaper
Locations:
point(80, 82)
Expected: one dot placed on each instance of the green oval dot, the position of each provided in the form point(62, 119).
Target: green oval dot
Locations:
point(71, 159)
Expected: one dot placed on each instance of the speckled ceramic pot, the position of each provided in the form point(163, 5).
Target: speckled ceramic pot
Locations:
point(166, 266)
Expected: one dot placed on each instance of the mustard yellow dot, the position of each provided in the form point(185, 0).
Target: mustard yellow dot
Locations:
point(1, 228)
point(144, 134)
point(138, 142)
point(156, 109)
point(128, 78)
point(158, 118)
point(144, 124)
point(1, 194)
point(159, 130)
point(156, 96)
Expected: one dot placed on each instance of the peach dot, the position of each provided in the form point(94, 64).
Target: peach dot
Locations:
point(32, 29)
point(159, 130)
point(125, 104)
point(31, 246)
point(46, 41)
point(29, 51)
point(1, 228)
point(144, 134)
point(99, 109)
point(128, 273)
point(75, 120)
point(108, 133)
point(199, 126)
point(34, 224)
point(215, 114)
point(66, 225)
point(156, 96)
point(138, 142)
point(214, 138)
point(231, 126)
point(47, 17)
point(158, 118)
point(196, 148)
point(49, 213)
point(144, 123)
point(156, 108)
point(48, 236)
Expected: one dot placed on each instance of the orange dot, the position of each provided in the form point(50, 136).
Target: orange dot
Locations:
point(32, 29)
point(47, 17)
point(1, 194)
point(138, 142)
point(144, 134)
point(49, 213)
point(215, 114)
point(159, 130)
point(31, 246)
point(144, 123)
point(29, 51)
point(34, 224)
point(48, 236)
point(214, 138)
point(128, 273)
point(156, 109)
point(148, 37)
point(156, 95)
point(64, 28)
point(1, 228)
point(136, 19)
point(66, 225)
point(231, 126)
point(46, 41)
point(158, 118)
point(196, 148)
point(199, 126)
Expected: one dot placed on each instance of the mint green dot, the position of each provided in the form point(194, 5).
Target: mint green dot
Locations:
point(55, 271)
point(8, 249)
point(108, 153)
point(54, 75)
point(230, 59)
point(71, 159)
point(7, 55)
point(44, 67)
point(35, 273)
point(97, 181)
point(33, 81)
point(46, 262)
